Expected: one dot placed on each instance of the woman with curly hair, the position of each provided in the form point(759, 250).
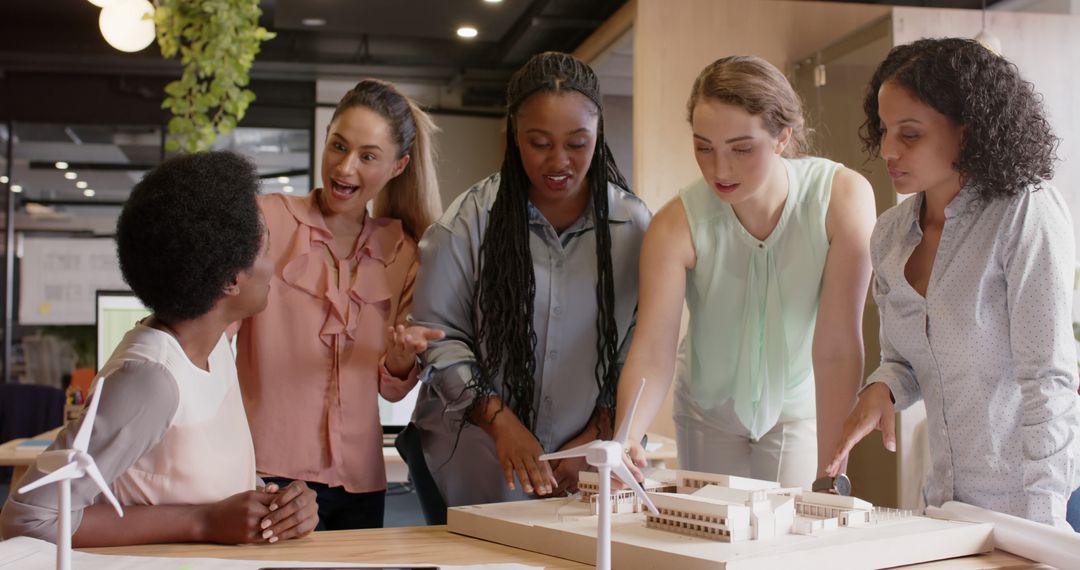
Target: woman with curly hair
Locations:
point(770, 249)
point(333, 338)
point(532, 274)
point(973, 279)
point(170, 436)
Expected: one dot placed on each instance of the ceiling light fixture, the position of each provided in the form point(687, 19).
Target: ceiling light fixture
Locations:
point(288, 189)
point(128, 25)
point(313, 22)
point(89, 192)
point(3, 179)
point(487, 1)
point(467, 32)
point(283, 179)
point(70, 175)
point(81, 184)
point(61, 165)
point(16, 188)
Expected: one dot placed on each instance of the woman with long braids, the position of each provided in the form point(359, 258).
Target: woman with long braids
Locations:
point(770, 251)
point(532, 275)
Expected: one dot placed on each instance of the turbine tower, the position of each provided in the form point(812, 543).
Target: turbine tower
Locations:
point(607, 457)
point(63, 465)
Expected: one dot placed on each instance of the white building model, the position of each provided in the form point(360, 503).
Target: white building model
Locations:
point(730, 509)
point(624, 500)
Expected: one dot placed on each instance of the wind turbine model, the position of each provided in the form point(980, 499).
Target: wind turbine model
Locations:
point(63, 465)
point(607, 457)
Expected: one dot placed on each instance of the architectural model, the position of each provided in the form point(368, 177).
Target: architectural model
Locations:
point(622, 500)
point(727, 508)
point(720, 522)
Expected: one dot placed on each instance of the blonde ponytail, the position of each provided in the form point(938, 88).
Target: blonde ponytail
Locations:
point(413, 196)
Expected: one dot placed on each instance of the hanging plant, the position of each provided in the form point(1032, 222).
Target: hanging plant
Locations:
point(216, 41)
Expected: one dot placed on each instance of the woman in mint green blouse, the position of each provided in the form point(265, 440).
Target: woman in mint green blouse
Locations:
point(770, 251)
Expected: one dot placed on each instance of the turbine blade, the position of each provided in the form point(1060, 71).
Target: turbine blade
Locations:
point(65, 472)
point(82, 439)
point(95, 474)
point(621, 471)
point(624, 430)
point(578, 451)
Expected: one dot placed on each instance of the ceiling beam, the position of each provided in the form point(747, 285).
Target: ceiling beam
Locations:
point(608, 33)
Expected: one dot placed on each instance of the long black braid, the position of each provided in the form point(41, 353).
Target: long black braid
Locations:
point(505, 341)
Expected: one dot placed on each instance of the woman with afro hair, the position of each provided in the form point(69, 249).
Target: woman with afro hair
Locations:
point(973, 279)
point(170, 436)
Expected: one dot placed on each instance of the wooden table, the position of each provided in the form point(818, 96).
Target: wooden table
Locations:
point(421, 544)
point(436, 545)
point(431, 544)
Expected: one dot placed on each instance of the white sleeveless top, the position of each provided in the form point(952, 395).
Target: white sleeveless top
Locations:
point(166, 433)
point(205, 453)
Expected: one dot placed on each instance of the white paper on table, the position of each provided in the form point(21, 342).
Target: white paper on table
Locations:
point(24, 553)
point(1032, 540)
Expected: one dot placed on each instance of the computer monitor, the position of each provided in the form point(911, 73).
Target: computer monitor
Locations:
point(394, 416)
point(116, 312)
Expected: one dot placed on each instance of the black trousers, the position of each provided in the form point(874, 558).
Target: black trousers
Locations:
point(342, 510)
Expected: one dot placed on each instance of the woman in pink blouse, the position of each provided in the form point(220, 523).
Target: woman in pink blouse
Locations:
point(332, 338)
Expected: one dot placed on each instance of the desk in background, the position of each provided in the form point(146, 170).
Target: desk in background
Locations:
point(661, 451)
point(21, 459)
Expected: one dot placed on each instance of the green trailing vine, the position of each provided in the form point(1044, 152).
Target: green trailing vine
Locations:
point(216, 41)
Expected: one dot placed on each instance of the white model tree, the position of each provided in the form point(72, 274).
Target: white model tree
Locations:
point(63, 465)
point(608, 458)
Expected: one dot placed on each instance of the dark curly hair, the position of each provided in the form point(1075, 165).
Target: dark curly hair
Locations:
point(190, 226)
point(1007, 142)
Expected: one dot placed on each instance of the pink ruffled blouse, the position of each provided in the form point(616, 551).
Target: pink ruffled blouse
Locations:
point(312, 364)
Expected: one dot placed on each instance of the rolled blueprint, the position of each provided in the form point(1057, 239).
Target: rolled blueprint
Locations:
point(1032, 540)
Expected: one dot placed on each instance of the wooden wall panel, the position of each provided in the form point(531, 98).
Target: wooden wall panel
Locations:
point(1046, 48)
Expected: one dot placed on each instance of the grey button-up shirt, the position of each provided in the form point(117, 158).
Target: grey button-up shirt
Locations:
point(989, 350)
point(564, 319)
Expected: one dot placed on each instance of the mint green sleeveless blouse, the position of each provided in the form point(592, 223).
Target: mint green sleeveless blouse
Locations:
point(753, 304)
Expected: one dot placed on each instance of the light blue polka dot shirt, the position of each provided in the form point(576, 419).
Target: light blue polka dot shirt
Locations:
point(990, 349)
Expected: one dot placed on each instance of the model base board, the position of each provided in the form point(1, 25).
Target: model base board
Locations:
point(565, 528)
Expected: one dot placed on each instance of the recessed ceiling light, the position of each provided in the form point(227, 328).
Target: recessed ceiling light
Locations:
point(283, 179)
point(70, 175)
point(16, 188)
point(288, 189)
point(3, 179)
point(467, 32)
point(89, 192)
point(62, 165)
point(493, 1)
point(81, 184)
point(313, 22)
